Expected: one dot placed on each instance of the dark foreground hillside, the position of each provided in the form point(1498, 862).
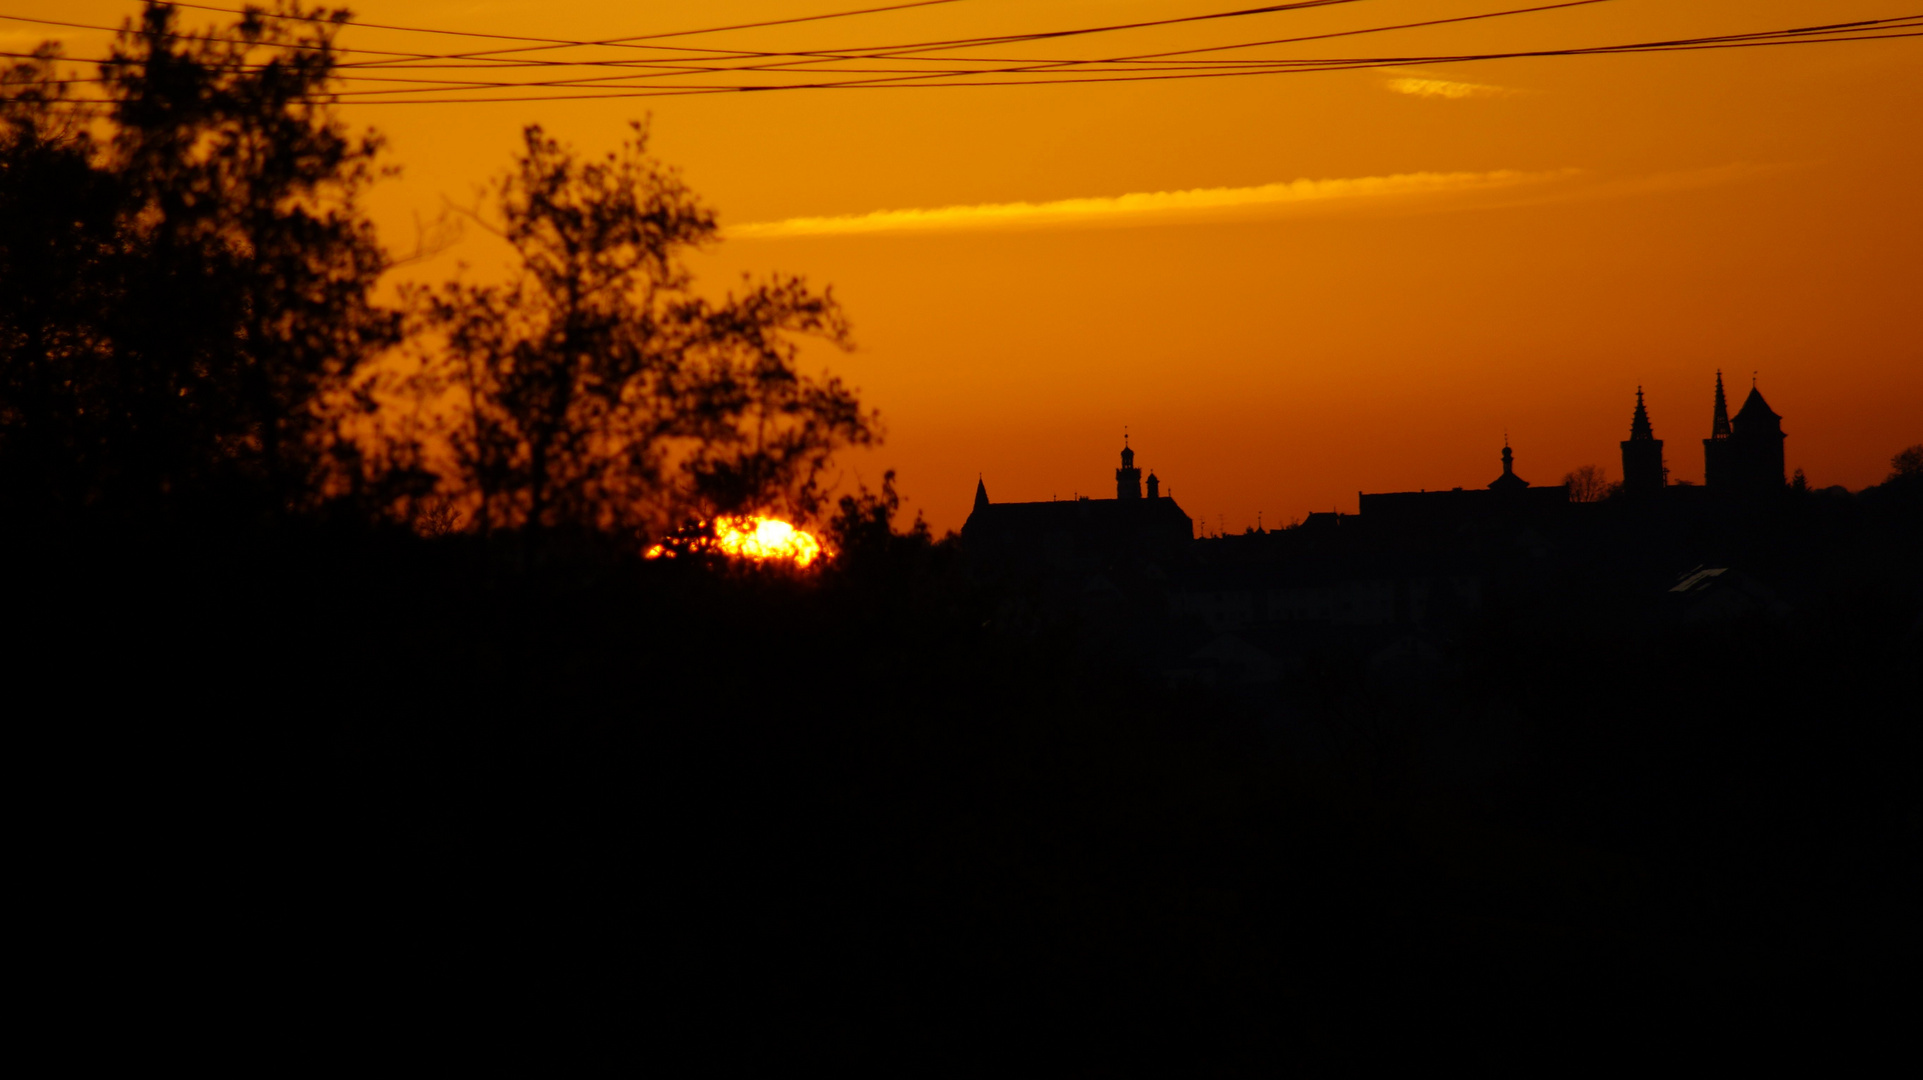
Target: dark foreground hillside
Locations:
point(357, 779)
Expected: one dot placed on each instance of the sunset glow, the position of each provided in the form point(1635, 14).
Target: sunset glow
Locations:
point(1294, 285)
point(760, 539)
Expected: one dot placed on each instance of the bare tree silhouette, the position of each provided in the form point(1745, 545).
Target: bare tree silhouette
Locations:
point(1588, 483)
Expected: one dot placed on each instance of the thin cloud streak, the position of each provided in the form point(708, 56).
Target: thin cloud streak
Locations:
point(1444, 88)
point(1146, 206)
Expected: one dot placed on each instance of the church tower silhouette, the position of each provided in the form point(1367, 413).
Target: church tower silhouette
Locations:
point(1743, 458)
point(1508, 482)
point(1643, 472)
point(1756, 448)
point(1128, 478)
point(1716, 473)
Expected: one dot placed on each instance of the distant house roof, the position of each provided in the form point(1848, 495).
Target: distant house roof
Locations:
point(1712, 593)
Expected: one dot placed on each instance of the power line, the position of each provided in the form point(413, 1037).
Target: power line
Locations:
point(1158, 66)
point(611, 41)
point(330, 47)
point(1304, 67)
point(1278, 68)
point(1032, 66)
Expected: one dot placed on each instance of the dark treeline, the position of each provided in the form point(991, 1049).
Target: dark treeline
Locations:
point(353, 702)
point(192, 330)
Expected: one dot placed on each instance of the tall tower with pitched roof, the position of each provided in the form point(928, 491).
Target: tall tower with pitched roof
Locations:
point(1756, 447)
point(1743, 457)
point(1643, 472)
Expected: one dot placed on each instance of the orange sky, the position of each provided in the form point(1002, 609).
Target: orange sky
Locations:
point(1372, 276)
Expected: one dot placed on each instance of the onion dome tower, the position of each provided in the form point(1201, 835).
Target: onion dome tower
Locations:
point(1128, 478)
point(1508, 481)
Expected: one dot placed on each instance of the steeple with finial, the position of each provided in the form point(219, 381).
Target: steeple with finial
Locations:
point(1717, 455)
point(1128, 478)
point(1508, 481)
point(1719, 422)
point(1643, 470)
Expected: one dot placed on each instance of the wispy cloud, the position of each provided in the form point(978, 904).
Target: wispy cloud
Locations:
point(1598, 187)
point(1444, 88)
point(1145, 206)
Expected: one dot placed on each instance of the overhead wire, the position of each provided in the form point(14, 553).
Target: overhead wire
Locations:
point(1084, 65)
point(1912, 27)
point(814, 56)
point(401, 87)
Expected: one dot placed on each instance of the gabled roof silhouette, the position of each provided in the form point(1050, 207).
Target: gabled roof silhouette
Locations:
point(1754, 407)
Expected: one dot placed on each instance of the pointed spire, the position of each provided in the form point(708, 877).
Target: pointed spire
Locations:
point(1639, 427)
point(1719, 424)
point(981, 492)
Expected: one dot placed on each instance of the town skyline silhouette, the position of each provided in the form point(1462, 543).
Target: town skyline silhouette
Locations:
point(569, 615)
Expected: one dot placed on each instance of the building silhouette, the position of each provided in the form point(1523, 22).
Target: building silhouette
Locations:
point(1128, 478)
point(1082, 531)
point(1743, 458)
point(1507, 494)
point(1644, 474)
point(1743, 461)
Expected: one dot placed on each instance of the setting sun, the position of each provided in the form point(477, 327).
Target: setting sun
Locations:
point(757, 538)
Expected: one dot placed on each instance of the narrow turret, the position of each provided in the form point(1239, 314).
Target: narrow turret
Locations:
point(1128, 478)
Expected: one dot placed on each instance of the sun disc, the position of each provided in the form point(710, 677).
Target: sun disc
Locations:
point(757, 538)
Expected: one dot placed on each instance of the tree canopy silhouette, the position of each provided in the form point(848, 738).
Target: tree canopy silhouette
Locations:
point(59, 282)
point(187, 315)
point(595, 389)
point(197, 281)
